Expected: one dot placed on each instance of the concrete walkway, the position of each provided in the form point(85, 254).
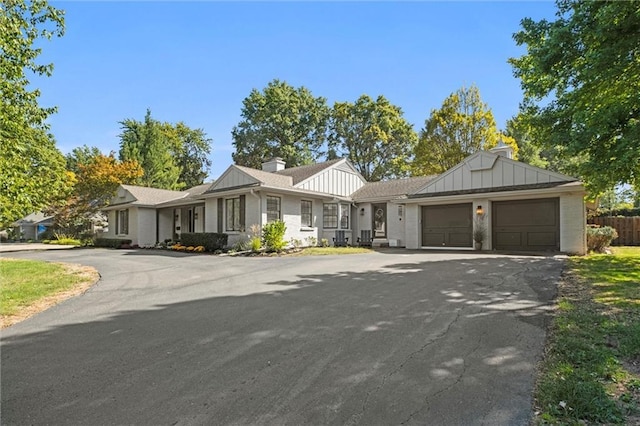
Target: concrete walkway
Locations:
point(13, 247)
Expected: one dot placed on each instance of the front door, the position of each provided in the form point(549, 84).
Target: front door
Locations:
point(379, 220)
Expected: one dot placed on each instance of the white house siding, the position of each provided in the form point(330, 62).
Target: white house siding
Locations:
point(396, 234)
point(413, 225)
point(572, 224)
point(133, 225)
point(165, 224)
point(211, 215)
point(362, 219)
point(484, 220)
point(146, 226)
point(291, 216)
point(336, 181)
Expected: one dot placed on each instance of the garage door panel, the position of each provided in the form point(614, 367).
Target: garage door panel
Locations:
point(541, 238)
point(447, 225)
point(526, 224)
point(433, 239)
point(508, 239)
point(460, 239)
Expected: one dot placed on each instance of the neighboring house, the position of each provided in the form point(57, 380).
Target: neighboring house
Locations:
point(521, 207)
point(32, 226)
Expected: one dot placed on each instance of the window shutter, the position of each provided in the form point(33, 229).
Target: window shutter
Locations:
point(243, 215)
point(117, 230)
point(220, 214)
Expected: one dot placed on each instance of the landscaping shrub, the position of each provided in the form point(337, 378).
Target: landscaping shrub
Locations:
point(600, 238)
point(211, 241)
point(273, 235)
point(256, 243)
point(111, 242)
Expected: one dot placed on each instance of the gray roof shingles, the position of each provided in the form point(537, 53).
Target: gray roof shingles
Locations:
point(300, 173)
point(392, 188)
point(151, 196)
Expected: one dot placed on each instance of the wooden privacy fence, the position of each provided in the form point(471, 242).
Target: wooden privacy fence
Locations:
point(628, 229)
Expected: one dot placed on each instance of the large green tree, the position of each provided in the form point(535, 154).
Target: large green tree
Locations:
point(374, 136)
point(581, 78)
point(462, 126)
point(281, 121)
point(33, 169)
point(147, 143)
point(190, 149)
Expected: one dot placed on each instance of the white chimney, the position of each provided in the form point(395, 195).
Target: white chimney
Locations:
point(274, 165)
point(503, 150)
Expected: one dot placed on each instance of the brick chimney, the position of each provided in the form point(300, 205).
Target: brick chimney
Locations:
point(503, 150)
point(274, 165)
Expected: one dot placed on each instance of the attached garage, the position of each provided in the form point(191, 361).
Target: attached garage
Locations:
point(529, 225)
point(448, 225)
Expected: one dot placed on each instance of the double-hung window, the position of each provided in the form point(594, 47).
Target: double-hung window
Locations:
point(344, 216)
point(306, 216)
point(122, 222)
point(330, 215)
point(273, 208)
point(232, 207)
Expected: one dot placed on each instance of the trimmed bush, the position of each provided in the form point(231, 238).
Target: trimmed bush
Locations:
point(111, 242)
point(211, 241)
point(273, 235)
point(600, 238)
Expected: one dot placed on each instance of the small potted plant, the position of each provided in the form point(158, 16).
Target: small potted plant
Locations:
point(479, 234)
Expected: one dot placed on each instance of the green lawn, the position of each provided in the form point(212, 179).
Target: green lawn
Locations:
point(591, 371)
point(28, 282)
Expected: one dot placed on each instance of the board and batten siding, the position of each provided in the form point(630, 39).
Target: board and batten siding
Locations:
point(489, 171)
point(234, 178)
point(336, 181)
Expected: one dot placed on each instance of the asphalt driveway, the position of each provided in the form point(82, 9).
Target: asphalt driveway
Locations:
point(384, 338)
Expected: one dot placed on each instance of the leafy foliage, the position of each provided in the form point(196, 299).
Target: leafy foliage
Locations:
point(211, 241)
point(33, 171)
point(97, 181)
point(598, 239)
point(273, 235)
point(111, 242)
point(171, 156)
point(190, 149)
point(280, 121)
point(147, 143)
point(81, 155)
point(374, 136)
point(462, 126)
point(581, 79)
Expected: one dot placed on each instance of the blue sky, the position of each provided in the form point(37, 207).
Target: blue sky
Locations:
point(195, 62)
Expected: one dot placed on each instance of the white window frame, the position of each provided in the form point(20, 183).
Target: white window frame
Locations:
point(308, 223)
point(274, 215)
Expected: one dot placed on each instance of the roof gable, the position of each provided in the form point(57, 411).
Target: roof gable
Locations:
point(485, 170)
point(240, 176)
point(336, 177)
point(142, 195)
